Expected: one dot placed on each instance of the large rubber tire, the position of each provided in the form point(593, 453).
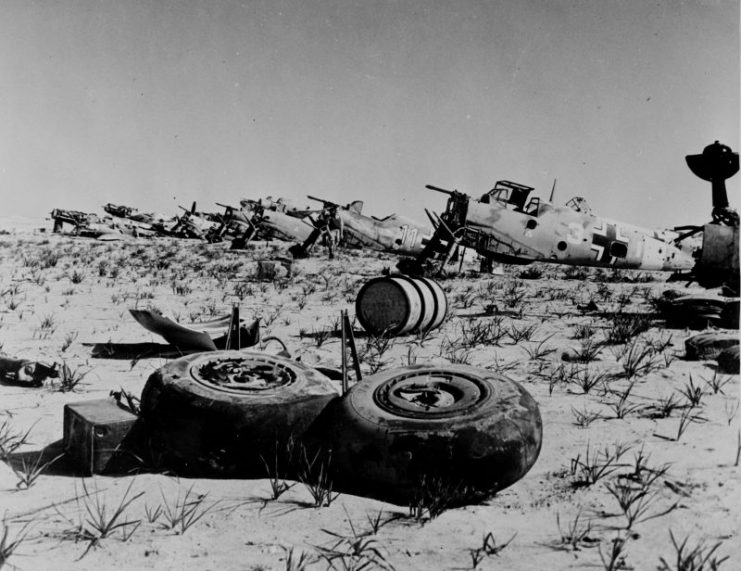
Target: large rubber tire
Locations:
point(700, 311)
point(471, 430)
point(728, 361)
point(200, 427)
point(730, 315)
point(709, 345)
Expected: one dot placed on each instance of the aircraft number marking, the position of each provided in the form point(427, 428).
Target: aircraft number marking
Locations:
point(408, 235)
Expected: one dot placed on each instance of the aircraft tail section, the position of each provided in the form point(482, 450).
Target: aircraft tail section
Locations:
point(356, 206)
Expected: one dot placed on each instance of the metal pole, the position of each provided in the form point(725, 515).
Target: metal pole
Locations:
point(343, 317)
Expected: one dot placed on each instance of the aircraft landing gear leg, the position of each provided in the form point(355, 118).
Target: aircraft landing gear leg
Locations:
point(329, 241)
point(420, 266)
point(299, 251)
point(241, 242)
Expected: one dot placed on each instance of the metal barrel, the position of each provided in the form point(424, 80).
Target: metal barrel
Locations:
point(400, 304)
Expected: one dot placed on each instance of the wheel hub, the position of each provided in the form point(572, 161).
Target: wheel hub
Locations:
point(240, 375)
point(430, 394)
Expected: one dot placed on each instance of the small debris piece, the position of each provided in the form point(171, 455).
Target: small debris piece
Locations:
point(25, 372)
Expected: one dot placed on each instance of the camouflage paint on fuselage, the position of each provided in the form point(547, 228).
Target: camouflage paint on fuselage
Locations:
point(499, 229)
point(280, 226)
point(396, 234)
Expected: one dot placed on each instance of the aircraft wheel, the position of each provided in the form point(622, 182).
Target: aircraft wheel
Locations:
point(730, 314)
point(728, 361)
point(216, 413)
point(401, 433)
point(709, 345)
point(696, 312)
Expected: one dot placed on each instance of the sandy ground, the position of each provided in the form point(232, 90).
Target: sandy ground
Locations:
point(45, 315)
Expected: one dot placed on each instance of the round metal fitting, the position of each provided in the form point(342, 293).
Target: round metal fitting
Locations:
point(430, 394)
point(240, 375)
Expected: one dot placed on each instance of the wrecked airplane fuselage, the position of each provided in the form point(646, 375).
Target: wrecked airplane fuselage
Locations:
point(510, 226)
point(394, 233)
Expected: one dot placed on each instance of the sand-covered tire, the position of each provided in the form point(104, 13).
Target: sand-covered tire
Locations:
point(466, 429)
point(730, 315)
point(709, 345)
point(728, 361)
point(217, 413)
point(693, 311)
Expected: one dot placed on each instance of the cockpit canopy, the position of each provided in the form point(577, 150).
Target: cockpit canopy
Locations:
point(579, 204)
point(513, 195)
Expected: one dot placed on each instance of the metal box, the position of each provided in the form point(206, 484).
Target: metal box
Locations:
point(93, 433)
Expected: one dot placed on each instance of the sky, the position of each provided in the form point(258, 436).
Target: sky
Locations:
point(155, 103)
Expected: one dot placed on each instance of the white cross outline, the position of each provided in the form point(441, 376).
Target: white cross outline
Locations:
point(601, 230)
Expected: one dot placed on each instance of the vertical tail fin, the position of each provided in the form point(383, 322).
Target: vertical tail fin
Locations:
point(356, 206)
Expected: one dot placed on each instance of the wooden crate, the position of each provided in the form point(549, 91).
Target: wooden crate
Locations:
point(93, 433)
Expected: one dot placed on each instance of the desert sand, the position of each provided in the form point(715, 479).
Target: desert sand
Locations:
point(61, 293)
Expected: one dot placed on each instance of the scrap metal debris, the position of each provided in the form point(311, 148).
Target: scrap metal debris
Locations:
point(26, 372)
point(205, 336)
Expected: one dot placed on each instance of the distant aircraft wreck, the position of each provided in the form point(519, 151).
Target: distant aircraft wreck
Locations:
point(261, 220)
point(395, 234)
point(93, 226)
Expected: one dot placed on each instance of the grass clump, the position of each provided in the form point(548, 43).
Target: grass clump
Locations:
point(593, 467)
point(185, 512)
point(99, 522)
point(625, 326)
point(701, 557)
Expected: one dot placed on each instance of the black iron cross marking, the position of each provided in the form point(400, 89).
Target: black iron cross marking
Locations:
point(603, 237)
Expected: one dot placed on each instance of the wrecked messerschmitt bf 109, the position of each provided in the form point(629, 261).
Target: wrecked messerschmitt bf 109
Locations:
point(130, 213)
point(235, 223)
point(74, 218)
point(194, 224)
point(258, 220)
point(394, 233)
point(145, 223)
point(508, 225)
point(93, 226)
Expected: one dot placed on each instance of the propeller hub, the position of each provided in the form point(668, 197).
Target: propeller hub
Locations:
point(715, 164)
